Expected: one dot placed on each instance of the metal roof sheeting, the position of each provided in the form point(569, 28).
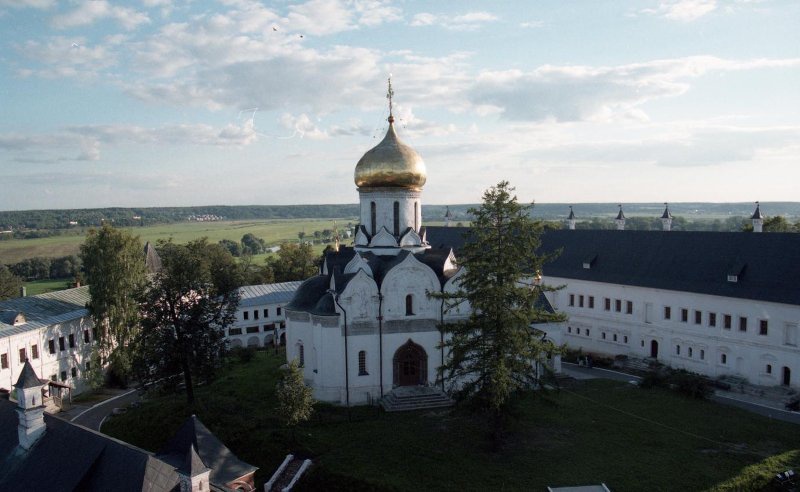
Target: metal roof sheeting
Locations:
point(256, 295)
point(45, 309)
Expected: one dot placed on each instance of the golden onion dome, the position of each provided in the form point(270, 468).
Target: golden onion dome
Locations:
point(391, 164)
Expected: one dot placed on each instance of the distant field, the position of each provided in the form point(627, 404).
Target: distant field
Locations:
point(272, 231)
point(45, 286)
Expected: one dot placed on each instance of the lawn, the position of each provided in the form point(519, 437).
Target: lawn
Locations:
point(45, 286)
point(601, 431)
point(272, 231)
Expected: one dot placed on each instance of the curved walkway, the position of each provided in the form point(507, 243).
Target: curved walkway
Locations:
point(94, 416)
point(765, 408)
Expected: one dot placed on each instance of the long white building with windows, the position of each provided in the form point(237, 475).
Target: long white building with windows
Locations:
point(715, 303)
point(54, 332)
point(260, 318)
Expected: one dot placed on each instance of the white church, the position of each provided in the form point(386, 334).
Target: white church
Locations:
point(365, 324)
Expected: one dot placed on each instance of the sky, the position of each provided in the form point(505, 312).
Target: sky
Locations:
point(235, 102)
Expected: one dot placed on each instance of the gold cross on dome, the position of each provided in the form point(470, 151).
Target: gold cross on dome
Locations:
point(389, 95)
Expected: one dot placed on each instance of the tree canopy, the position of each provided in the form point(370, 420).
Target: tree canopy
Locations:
point(494, 354)
point(295, 400)
point(293, 262)
point(10, 284)
point(114, 265)
point(185, 312)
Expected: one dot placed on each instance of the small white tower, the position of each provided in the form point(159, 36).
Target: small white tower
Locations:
point(620, 220)
point(758, 219)
point(447, 217)
point(666, 218)
point(29, 407)
point(571, 219)
point(194, 474)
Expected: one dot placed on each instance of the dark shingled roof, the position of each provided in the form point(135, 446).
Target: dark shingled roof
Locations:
point(309, 293)
point(193, 465)
point(225, 466)
point(666, 214)
point(28, 377)
point(71, 457)
point(151, 259)
point(687, 261)
point(571, 214)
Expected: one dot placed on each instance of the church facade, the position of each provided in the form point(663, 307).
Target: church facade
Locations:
point(366, 323)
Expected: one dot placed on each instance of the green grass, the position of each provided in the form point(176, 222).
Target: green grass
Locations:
point(44, 286)
point(271, 231)
point(603, 431)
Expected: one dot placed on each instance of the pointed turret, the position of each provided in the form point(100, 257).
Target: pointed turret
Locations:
point(666, 218)
point(29, 406)
point(194, 474)
point(447, 217)
point(571, 219)
point(758, 219)
point(620, 220)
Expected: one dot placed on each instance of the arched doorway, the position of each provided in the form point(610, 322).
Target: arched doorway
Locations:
point(787, 376)
point(410, 365)
point(654, 349)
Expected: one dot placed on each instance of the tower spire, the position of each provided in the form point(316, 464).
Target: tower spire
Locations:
point(389, 96)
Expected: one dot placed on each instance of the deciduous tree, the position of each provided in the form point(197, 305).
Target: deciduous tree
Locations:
point(10, 284)
point(185, 312)
point(293, 262)
point(295, 400)
point(494, 354)
point(113, 261)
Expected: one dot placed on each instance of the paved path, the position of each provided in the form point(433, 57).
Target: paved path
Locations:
point(723, 397)
point(94, 416)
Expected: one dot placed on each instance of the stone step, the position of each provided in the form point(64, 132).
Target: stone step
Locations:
point(406, 399)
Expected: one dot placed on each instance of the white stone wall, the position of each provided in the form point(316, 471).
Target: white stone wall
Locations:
point(59, 364)
point(746, 353)
point(384, 199)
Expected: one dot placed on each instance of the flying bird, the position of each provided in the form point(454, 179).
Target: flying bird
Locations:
point(76, 45)
point(274, 28)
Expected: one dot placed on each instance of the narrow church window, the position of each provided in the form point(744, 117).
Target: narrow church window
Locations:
point(362, 363)
point(22, 356)
point(396, 218)
point(702, 354)
point(742, 323)
point(409, 305)
point(690, 351)
point(61, 346)
point(246, 315)
point(763, 327)
point(71, 340)
point(34, 351)
point(416, 215)
point(723, 358)
point(85, 336)
point(4, 361)
point(51, 344)
point(301, 355)
point(769, 368)
point(373, 217)
point(74, 372)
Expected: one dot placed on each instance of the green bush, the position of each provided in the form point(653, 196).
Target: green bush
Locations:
point(243, 354)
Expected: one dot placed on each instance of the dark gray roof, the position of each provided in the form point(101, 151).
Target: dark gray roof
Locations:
point(72, 457)
point(309, 293)
point(757, 213)
point(151, 259)
point(688, 261)
point(620, 215)
point(28, 378)
point(193, 465)
point(571, 215)
point(225, 466)
point(666, 214)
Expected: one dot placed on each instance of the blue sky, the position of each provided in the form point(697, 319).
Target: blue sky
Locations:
point(171, 103)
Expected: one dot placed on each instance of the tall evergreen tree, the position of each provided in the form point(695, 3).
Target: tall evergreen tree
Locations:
point(493, 355)
point(185, 312)
point(113, 262)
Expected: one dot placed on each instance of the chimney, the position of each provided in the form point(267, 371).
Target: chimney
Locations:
point(758, 219)
point(23, 291)
point(666, 219)
point(29, 407)
point(620, 220)
point(571, 219)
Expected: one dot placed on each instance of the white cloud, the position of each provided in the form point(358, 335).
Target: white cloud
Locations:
point(578, 93)
point(19, 4)
point(531, 24)
point(682, 10)
point(92, 11)
point(470, 21)
point(63, 56)
point(84, 143)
